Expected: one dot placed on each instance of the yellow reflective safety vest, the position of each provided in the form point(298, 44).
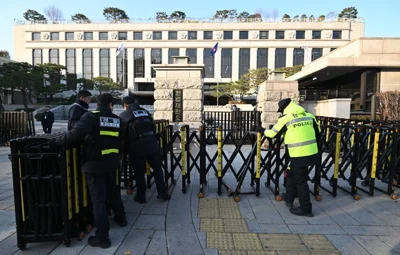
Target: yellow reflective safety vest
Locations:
point(106, 141)
point(298, 128)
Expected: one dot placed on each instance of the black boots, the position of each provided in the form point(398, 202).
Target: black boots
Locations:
point(140, 198)
point(164, 195)
point(122, 222)
point(98, 242)
point(288, 203)
point(299, 212)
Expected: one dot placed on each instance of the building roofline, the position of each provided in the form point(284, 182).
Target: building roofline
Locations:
point(335, 59)
point(197, 20)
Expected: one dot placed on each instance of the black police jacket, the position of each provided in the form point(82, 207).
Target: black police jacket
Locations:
point(47, 118)
point(75, 112)
point(139, 132)
point(99, 132)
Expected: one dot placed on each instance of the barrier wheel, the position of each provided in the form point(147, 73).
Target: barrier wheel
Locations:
point(393, 196)
point(357, 197)
point(129, 192)
point(237, 199)
point(21, 246)
point(89, 228)
point(278, 198)
point(81, 235)
point(200, 195)
point(395, 183)
point(318, 198)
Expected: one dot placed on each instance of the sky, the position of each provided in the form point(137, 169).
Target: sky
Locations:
point(380, 16)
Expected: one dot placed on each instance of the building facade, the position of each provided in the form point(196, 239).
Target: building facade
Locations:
point(90, 50)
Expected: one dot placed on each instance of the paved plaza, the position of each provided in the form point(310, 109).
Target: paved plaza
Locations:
point(218, 225)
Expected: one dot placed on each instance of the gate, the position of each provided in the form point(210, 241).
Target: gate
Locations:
point(14, 125)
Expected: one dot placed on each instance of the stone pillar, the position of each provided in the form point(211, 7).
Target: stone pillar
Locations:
point(179, 92)
point(271, 92)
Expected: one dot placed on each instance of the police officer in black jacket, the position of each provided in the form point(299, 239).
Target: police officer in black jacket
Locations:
point(78, 108)
point(100, 132)
point(141, 144)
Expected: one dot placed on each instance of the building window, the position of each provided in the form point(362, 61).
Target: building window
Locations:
point(243, 35)
point(244, 61)
point(172, 53)
point(337, 35)
point(138, 36)
point(280, 58)
point(139, 63)
point(316, 53)
point(36, 57)
point(207, 35)
point(157, 35)
point(172, 35)
point(192, 54)
point(226, 63)
point(105, 62)
point(298, 56)
point(332, 49)
point(70, 64)
point(87, 67)
point(228, 35)
point(36, 36)
point(54, 36)
point(123, 36)
point(300, 34)
point(316, 34)
point(264, 35)
point(209, 63)
point(192, 35)
point(103, 36)
point(88, 36)
point(262, 58)
point(122, 68)
point(69, 36)
point(280, 35)
point(156, 58)
point(53, 56)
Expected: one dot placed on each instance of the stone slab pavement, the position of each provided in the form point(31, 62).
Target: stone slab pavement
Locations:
point(217, 225)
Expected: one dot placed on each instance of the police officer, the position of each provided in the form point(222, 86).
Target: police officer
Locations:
point(100, 132)
point(301, 131)
point(142, 146)
point(78, 108)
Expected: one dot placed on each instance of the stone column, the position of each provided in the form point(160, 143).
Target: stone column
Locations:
point(271, 92)
point(179, 92)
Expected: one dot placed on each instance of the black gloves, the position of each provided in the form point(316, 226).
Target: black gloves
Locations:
point(260, 130)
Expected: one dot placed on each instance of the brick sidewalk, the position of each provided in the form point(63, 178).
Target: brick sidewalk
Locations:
point(218, 225)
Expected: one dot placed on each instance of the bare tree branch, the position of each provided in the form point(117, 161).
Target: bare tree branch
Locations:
point(54, 14)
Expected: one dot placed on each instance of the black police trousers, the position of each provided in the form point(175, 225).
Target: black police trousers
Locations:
point(296, 185)
point(101, 187)
point(139, 166)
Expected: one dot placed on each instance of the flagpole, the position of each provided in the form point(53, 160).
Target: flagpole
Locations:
point(123, 69)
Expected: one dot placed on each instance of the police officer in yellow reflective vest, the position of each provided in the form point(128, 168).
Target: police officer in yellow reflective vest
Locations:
point(100, 132)
point(301, 131)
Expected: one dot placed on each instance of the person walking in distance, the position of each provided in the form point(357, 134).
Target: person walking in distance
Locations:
point(301, 131)
point(78, 108)
point(141, 145)
point(47, 120)
point(99, 131)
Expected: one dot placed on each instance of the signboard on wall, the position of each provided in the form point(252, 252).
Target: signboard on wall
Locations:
point(178, 105)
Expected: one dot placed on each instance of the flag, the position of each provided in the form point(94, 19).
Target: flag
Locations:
point(120, 49)
point(214, 50)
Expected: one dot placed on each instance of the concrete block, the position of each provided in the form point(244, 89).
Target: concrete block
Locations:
point(152, 222)
point(346, 245)
point(317, 229)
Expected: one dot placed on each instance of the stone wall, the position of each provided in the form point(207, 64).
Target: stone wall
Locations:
point(270, 93)
point(188, 78)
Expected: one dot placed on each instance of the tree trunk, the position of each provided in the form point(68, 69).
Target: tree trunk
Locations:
point(24, 98)
point(30, 96)
point(12, 96)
